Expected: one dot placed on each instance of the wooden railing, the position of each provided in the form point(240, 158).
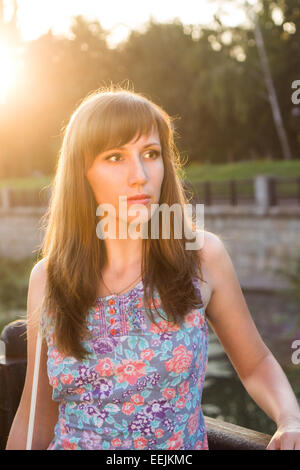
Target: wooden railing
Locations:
point(16, 197)
point(278, 191)
point(221, 435)
point(227, 436)
point(232, 192)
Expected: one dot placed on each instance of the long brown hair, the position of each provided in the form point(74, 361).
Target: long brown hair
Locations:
point(74, 255)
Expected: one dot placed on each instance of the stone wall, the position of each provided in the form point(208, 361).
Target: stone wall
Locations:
point(259, 243)
point(20, 232)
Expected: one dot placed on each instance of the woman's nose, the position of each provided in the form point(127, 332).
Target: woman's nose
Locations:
point(137, 172)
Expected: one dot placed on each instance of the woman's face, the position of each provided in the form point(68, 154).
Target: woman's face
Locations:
point(135, 168)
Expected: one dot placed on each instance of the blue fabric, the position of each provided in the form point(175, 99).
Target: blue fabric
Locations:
point(141, 388)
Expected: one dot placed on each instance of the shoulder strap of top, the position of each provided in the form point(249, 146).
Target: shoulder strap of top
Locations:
point(34, 390)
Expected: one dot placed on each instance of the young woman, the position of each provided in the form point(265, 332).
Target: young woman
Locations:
point(125, 319)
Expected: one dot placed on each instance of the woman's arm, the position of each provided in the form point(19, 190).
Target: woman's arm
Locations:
point(46, 413)
point(258, 370)
point(270, 389)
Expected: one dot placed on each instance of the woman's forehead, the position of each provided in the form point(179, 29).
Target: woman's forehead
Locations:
point(140, 136)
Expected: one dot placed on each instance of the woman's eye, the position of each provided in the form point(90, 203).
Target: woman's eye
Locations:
point(115, 155)
point(154, 153)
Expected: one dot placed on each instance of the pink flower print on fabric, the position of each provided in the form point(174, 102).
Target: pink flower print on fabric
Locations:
point(194, 319)
point(137, 399)
point(105, 367)
point(129, 371)
point(169, 393)
point(181, 360)
point(140, 443)
point(163, 326)
point(175, 442)
point(128, 408)
point(141, 385)
point(193, 422)
point(147, 354)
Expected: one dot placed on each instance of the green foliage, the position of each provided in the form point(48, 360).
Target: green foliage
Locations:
point(292, 274)
point(213, 86)
point(26, 183)
point(14, 279)
point(195, 172)
point(240, 170)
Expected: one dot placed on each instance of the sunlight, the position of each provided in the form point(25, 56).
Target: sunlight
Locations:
point(8, 68)
point(118, 33)
point(119, 17)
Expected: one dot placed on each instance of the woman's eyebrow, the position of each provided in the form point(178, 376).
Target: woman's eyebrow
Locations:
point(144, 146)
point(152, 143)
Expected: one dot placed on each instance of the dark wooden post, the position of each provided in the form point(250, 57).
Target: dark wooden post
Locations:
point(233, 192)
point(272, 187)
point(207, 192)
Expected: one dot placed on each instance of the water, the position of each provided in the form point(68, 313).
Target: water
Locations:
point(277, 318)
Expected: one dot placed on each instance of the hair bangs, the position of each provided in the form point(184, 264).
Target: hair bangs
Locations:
point(119, 122)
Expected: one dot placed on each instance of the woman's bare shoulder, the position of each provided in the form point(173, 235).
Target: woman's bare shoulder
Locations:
point(39, 269)
point(212, 251)
point(38, 273)
point(37, 284)
point(211, 246)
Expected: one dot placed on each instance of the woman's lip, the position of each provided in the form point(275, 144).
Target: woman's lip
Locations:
point(139, 201)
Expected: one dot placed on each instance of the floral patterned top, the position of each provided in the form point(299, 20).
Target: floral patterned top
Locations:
point(141, 388)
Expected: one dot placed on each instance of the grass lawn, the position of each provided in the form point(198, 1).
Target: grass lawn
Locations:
point(194, 172)
point(200, 172)
point(219, 175)
point(26, 183)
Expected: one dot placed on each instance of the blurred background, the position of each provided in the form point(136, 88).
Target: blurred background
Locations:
point(229, 72)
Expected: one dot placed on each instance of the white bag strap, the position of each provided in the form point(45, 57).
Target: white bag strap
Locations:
point(34, 390)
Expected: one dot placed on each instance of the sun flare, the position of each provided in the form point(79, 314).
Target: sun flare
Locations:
point(7, 74)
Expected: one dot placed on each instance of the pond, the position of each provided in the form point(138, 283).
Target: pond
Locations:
point(277, 318)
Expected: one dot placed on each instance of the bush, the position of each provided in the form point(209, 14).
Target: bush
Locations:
point(292, 274)
point(14, 279)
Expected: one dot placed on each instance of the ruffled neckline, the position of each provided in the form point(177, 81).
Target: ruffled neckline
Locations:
point(123, 294)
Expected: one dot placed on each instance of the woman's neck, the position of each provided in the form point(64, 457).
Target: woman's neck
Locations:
point(123, 256)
